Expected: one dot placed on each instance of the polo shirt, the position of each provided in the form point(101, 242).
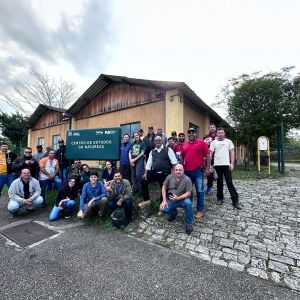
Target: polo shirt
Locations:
point(193, 154)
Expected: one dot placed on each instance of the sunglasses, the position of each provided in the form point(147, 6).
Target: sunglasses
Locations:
point(28, 151)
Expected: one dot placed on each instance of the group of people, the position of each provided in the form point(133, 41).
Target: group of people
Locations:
point(176, 163)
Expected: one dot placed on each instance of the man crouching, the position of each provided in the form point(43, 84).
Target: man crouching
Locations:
point(176, 192)
point(120, 194)
point(24, 191)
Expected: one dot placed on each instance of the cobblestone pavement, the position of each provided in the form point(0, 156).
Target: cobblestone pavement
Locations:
point(262, 239)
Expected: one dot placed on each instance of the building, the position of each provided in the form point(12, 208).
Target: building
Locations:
point(129, 103)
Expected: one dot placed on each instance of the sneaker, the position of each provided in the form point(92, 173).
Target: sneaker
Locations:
point(189, 229)
point(237, 205)
point(31, 211)
point(209, 190)
point(199, 215)
point(219, 202)
point(172, 218)
point(67, 216)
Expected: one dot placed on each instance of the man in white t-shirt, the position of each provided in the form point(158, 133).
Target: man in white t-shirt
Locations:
point(223, 151)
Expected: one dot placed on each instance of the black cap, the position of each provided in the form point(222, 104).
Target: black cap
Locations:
point(191, 129)
point(173, 133)
point(60, 141)
point(141, 130)
point(150, 127)
point(39, 146)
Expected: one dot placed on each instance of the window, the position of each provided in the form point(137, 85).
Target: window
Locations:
point(130, 128)
point(55, 139)
point(41, 141)
point(191, 125)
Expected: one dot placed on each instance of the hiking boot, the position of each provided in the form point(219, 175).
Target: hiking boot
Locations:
point(189, 229)
point(237, 205)
point(219, 202)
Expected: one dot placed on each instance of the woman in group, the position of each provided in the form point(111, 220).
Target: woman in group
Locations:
point(85, 174)
point(65, 201)
point(108, 173)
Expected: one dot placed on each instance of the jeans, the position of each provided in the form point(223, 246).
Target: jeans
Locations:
point(197, 178)
point(127, 204)
point(224, 170)
point(186, 203)
point(126, 172)
point(45, 183)
point(56, 211)
point(13, 206)
point(63, 175)
point(6, 179)
point(137, 173)
point(152, 176)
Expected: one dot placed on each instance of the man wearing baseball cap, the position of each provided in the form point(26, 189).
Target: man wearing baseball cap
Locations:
point(195, 156)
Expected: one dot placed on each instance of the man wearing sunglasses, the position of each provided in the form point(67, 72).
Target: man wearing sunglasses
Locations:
point(28, 162)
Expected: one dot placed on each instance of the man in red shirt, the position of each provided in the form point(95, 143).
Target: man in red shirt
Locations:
point(195, 156)
point(177, 147)
point(208, 139)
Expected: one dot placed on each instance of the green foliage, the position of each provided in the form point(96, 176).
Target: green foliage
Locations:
point(13, 127)
point(256, 104)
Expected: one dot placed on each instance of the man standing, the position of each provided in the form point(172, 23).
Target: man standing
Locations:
point(40, 153)
point(63, 162)
point(192, 155)
point(93, 199)
point(178, 146)
point(149, 141)
point(223, 151)
point(208, 139)
point(171, 142)
point(6, 159)
point(161, 160)
point(24, 191)
point(124, 158)
point(120, 194)
point(161, 134)
point(28, 162)
point(136, 158)
point(49, 168)
point(176, 192)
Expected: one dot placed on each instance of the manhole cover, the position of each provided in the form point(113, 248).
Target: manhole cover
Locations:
point(28, 233)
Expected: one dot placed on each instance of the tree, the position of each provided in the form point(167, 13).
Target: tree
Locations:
point(256, 104)
point(14, 128)
point(41, 90)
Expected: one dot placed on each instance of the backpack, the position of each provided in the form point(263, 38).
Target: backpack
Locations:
point(119, 218)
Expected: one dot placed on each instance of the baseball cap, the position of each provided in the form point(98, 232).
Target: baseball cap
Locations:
point(191, 129)
point(60, 141)
point(39, 146)
point(150, 127)
point(173, 133)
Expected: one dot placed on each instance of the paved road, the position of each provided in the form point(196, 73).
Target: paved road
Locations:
point(87, 262)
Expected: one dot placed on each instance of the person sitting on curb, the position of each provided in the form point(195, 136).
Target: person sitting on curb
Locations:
point(65, 201)
point(120, 194)
point(24, 191)
point(93, 199)
point(176, 192)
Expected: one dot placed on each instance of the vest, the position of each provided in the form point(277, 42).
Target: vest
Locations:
point(161, 161)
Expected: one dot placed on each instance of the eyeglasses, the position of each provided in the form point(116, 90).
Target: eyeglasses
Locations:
point(28, 152)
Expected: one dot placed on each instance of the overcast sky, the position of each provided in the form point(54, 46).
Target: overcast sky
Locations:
point(203, 43)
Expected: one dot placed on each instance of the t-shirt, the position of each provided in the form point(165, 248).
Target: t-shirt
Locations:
point(49, 166)
point(137, 148)
point(221, 151)
point(183, 185)
point(193, 154)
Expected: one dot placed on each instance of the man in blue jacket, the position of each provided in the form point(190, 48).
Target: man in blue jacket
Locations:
point(93, 199)
point(124, 158)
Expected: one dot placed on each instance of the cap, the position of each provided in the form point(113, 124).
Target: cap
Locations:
point(173, 133)
point(39, 146)
point(60, 141)
point(150, 127)
point(191, 129)
point(141, 130)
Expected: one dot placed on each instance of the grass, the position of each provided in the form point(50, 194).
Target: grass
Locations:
point(240, 174)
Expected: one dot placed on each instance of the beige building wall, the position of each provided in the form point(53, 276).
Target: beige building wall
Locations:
point(148, 114)
point(194, 115)
point(174, 111)
point(47, 134)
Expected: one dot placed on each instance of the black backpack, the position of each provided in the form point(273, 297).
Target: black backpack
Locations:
point(119, 218)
